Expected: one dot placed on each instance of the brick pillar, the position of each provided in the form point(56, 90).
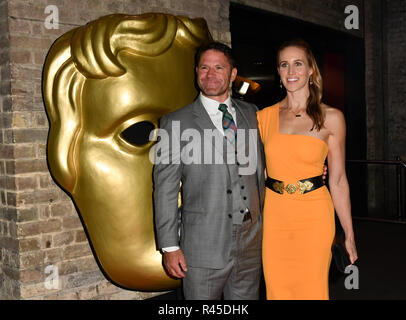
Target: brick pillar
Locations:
point(385, 30)
point(396, 93)
point(375, 63)
point(395, 144)
point(8, 268)
point(39, 227)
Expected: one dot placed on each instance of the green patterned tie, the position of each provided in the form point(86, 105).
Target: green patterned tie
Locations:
point(230, 129)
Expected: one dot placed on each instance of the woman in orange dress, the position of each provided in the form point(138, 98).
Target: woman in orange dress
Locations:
point(298, 134)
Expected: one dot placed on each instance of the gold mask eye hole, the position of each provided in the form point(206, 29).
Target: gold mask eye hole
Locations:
point(138, 133)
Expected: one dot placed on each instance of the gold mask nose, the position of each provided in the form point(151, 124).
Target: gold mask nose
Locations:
point(106, 85)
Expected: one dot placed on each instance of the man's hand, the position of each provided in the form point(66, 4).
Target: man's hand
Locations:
point(324, 173)
point(175, 263)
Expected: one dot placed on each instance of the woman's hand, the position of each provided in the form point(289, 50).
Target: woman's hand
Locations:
point(351, 249)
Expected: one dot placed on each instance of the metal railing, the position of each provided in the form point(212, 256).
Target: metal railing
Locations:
point(400, 189)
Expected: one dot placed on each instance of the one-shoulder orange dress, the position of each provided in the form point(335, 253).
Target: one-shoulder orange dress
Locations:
point(298, 228)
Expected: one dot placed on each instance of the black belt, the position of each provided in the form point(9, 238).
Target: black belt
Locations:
point(303, 186)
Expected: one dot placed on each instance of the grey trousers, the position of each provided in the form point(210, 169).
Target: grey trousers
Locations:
point(240, 278)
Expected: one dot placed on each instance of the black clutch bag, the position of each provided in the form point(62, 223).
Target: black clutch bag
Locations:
point(340, 255)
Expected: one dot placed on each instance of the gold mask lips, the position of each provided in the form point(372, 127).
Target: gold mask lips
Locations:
point(106, 85)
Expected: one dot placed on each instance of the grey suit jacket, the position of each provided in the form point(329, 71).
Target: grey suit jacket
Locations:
point(206, 228)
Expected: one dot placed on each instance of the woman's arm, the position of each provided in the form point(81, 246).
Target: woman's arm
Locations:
point(338, 182)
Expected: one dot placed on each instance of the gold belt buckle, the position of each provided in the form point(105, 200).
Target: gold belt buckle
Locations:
point(304, 186)
point(291, 188)
point(278, 186)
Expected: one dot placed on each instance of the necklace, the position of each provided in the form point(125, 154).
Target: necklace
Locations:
point(297, 115)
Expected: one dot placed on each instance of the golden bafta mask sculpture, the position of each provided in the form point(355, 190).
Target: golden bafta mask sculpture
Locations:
point(105, 86)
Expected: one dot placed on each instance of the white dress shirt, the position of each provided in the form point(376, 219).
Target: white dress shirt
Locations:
point(216, 116)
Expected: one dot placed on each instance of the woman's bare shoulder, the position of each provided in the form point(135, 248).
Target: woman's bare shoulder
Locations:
point(334, 118)
point(331, 113)
point(267, 111)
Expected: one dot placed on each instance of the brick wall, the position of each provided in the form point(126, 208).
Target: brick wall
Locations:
point(6, 151)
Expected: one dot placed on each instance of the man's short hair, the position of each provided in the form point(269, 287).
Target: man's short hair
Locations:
point(218, 46)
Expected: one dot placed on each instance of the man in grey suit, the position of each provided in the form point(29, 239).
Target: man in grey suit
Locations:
point(216, 249)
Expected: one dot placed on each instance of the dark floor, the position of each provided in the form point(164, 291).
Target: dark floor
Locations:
point(381, 265)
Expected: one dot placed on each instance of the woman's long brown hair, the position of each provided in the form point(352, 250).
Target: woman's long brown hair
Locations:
point(313, 108)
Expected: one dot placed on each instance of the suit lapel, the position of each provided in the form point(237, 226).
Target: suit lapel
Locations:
point(203, 121)
point(242, 124)
point(242, 121)
point(202, 118)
